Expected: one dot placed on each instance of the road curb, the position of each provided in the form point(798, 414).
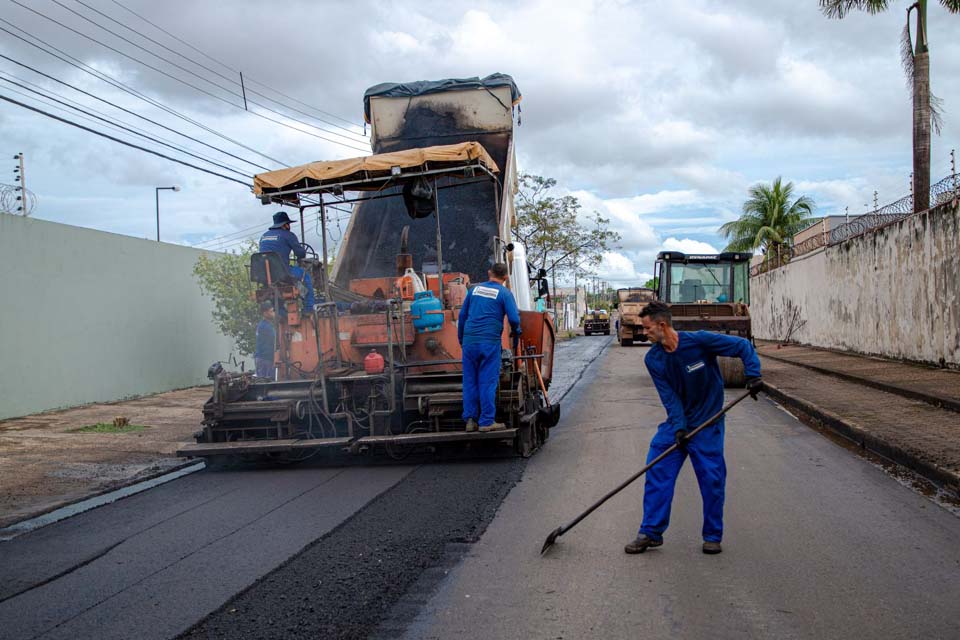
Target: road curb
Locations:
point(937, 401)
point(102, 492)
point(819, 417)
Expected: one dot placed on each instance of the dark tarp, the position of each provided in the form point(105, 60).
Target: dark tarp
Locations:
point(423, 87)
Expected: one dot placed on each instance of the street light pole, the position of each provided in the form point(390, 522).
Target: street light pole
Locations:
point(157, 194)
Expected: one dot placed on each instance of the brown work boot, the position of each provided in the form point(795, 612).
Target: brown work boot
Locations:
point(711, 548)
point(496, 426)
point(471, 425)
point(641, 544)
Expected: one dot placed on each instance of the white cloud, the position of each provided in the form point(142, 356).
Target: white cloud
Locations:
point(657, 115)
point(686, 245)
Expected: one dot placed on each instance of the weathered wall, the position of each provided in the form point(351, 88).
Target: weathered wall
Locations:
point(87, 316)
point(893, 292)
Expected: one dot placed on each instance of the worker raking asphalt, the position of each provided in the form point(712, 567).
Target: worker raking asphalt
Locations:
point(684, 369)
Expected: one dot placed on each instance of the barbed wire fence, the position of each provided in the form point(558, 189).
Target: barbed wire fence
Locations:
point(942, 192)
point(15, 201)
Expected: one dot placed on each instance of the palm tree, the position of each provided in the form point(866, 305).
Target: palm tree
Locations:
point(770, 219)
point(916, 64)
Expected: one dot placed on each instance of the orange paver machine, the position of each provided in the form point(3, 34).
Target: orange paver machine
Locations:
point(375, 365)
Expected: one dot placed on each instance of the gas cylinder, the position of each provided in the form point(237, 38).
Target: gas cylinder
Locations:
point(426, 311)
point(373, 363)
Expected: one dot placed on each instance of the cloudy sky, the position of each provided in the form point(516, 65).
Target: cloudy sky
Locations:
point(660, 115)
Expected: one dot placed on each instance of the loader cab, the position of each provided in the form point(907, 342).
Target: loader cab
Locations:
point(703, 279)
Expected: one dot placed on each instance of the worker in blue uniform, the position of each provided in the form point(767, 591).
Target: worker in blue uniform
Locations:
point(479, 330)
point(684, 369)
point(266, 342)
point(279, 239)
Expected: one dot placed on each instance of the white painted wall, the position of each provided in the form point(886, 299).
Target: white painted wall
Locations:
point(88, 316)
point(894, 292)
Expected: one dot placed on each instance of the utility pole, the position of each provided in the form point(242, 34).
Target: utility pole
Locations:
point(875, 205)
point(21, 178)
point(846, 214)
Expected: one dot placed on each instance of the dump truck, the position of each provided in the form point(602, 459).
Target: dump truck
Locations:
point(708, 293)
point(596, 321)
point(376, 365)
point(629, 303)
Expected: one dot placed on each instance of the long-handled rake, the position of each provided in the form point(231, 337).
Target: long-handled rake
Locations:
point(559, 531)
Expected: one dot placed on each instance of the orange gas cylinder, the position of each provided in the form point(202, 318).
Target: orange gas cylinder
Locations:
point(373, 363)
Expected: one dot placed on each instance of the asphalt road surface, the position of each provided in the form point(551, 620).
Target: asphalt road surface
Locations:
point(157, 564)
point(818, 542)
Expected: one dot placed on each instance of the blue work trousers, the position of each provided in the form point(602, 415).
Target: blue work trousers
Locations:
point(706, 456)
point(265, 368)
point(300, 274)
point(481, 373)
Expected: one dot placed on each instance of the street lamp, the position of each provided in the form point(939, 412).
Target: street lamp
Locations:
point(157, 193)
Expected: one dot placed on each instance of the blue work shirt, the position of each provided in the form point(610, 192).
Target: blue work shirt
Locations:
point(481, 316)
point(283, 242)
point(689, 380)
point(266, 340)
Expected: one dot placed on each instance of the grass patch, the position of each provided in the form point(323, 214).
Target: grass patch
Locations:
point(107, 427)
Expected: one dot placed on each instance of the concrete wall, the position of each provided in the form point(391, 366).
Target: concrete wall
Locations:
point(893, 292)
point(87, 316)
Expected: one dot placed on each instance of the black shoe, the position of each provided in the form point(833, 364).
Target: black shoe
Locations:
point(641, 544)
point(711, 548)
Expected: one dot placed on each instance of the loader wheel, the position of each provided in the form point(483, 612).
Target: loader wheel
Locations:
point(626, 342)
point(732, 371)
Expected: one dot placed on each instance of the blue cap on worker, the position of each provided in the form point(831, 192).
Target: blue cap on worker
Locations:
point(281, 218)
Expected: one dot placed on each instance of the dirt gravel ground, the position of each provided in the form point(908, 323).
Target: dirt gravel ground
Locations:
point(45, 463)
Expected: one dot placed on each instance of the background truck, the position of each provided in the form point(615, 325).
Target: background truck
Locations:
point(629, 303)
point(597, 321)
point(708, 293)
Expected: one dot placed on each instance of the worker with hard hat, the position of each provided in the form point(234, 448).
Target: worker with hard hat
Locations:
point(280, 240)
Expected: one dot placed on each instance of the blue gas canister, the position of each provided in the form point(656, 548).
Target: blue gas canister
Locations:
point(426, 312)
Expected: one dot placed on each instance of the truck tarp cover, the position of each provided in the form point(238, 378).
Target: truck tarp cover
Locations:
point(323, 171)
point(423, 87)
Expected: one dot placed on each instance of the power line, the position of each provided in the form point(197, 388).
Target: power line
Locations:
point(123, 142)
point(182, 81)
point(217, 73)
point(231, 240)
point(229, 90)
point(82, 66)
point(92, 114)
point(226, 66)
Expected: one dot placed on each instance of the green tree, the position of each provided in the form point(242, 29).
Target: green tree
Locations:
point(557, 237)
point(771, 216)
point(916, 64)
point(225, 278)
point(652, 283)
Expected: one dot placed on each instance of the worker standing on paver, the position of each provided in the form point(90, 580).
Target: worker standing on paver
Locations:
point(684, 369)
point(266, 342)
point(279, 239)
point(479, 330)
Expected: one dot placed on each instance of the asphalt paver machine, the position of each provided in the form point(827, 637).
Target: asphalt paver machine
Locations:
point(376, 364)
